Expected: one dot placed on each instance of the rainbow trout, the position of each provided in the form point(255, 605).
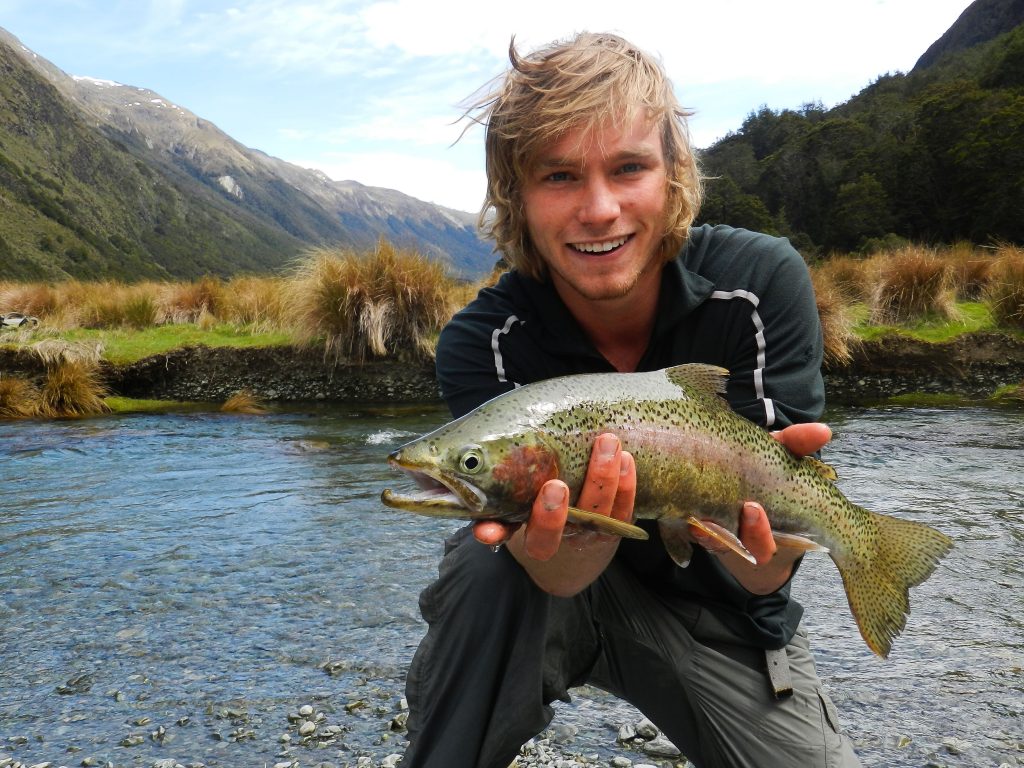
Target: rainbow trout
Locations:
point(695, 459)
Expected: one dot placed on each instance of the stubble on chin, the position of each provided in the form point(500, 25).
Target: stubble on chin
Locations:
point(599, 291)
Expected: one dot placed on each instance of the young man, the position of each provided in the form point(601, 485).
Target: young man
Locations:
point(594, 189)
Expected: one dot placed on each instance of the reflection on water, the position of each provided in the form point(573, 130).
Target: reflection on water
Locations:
point(207, 574)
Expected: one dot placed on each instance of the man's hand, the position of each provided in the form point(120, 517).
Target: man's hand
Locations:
point(774, 567)
point(565, 561)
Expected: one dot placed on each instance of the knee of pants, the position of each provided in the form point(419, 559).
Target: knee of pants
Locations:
point(480, 584)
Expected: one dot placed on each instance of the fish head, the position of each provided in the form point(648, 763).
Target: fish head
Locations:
point(475, 476)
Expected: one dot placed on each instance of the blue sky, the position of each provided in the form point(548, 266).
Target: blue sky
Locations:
point(370, 91)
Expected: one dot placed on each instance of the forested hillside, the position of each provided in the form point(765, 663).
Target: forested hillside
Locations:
point(936, 156)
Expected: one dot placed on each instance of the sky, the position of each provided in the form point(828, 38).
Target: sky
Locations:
point(374, 91)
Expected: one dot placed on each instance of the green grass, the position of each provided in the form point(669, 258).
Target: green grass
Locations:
point(134, 406)
point(121, 346)
point(973, 317)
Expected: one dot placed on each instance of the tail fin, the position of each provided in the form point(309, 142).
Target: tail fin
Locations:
point(877, 586)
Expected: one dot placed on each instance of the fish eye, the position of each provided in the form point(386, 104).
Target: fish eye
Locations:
point(471, 459)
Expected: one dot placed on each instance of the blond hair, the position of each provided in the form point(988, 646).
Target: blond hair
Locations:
point(585, 82)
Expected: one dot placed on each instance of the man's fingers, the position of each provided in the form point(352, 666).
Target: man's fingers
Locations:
point(625, 493)
point(491, 532)
point(756, 532)
point(804, 439)
point(547, 520)
point(599, 489)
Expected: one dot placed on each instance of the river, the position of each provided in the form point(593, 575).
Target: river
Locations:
point(176, 587)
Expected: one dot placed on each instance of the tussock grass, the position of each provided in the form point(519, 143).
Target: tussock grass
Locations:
point(391, 303)
point(387, 303)
point(851, 277)
point(244, 402)
point(972, 270)
point(836, 319)
point(72, 388)
point(56, 352)
point(37, 299)
point(913, 284)
point(259, 303)
point(19, 399)
point(189, 302)
point(1005, 289)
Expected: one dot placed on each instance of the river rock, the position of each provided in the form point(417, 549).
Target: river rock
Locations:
point(661, 747)
point(627, 732)
point(77, 684)
point(646, 730)
point(956, 746)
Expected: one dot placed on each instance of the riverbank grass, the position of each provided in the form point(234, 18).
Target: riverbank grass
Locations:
point(125, 345)
point(970, 317)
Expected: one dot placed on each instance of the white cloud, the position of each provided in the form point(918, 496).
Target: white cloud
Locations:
point(381, 81)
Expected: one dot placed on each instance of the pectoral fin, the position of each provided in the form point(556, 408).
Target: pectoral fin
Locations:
point(604, 524)
point(796, 541)
point(723, 536)
point(675, 535)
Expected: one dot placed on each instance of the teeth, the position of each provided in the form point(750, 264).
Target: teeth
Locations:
point(599, 247)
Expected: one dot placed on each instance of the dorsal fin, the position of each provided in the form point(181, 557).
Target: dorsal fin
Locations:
point(709, 379)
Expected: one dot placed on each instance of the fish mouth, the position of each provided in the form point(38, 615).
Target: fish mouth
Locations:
point(441, 494)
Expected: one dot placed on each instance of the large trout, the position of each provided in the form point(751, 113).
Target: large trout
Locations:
point(695, 459)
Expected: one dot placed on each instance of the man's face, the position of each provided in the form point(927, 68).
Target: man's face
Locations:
point(595, 210)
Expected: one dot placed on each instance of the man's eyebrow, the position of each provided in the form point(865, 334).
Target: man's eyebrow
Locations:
point(556, 161)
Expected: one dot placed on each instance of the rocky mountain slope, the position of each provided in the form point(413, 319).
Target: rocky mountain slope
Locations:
point(980, 22)
point(100, 179)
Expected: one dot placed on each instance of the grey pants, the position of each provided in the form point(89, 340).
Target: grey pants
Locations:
point(498, 651)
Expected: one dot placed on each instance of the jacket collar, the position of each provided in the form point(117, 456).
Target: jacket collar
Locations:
point(682, 291)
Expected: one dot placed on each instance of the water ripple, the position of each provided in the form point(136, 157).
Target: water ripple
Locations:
point(197, 562)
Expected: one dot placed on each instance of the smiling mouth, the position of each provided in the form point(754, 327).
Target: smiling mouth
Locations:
point(606, 246)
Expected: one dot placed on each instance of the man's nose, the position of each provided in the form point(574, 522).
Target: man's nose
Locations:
point(599, 203)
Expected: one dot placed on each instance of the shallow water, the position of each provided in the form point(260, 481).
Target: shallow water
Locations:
point(207, 574)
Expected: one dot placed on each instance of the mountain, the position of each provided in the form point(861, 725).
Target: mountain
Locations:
point(935, 155)
point(980, 22)
point(104, 180)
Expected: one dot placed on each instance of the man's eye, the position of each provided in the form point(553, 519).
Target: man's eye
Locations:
point(631, 168)
point(558, 176)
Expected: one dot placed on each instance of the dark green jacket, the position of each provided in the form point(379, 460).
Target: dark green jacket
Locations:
point(733, 298)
